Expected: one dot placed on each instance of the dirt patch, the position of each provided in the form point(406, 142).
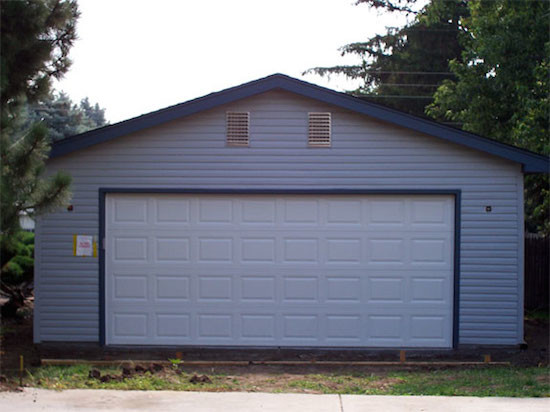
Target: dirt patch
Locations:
point(537, 336)
point(200, 379)
point(16, 340)
point(128, 373)
point(384, 383)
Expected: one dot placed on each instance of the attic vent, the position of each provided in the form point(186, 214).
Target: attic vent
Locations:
point(237, 128)
point(319, 129)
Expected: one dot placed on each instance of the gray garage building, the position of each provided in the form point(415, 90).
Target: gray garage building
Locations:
point(280, 213)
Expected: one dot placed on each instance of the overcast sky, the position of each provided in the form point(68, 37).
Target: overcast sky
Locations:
point(134, 56)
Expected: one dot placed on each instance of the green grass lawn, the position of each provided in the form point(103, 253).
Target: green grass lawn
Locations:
point(487, 381)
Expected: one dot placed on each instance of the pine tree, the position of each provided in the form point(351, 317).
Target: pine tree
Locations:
point(63, 117)
point(95, 114)
point(36, 36)
point(403, 68)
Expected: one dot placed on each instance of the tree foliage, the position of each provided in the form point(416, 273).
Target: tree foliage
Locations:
point(391, 5)
point(22, 188)
point(17, 270)
point(403, 67)
point(492, 71)
point(36, 38)
point(501, 86)
point(63, 118)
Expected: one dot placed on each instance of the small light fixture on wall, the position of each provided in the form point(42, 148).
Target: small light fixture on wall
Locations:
point(70, 208)
point(488, 209)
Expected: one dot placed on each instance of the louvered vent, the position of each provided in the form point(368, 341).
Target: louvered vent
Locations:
point(238, 128)
point(319, 129)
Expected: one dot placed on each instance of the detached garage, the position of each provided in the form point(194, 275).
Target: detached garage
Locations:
point(282, 214)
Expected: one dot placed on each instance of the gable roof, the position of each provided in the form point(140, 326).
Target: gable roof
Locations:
point(532, 162)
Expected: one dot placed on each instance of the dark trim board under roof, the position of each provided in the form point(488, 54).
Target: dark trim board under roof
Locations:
point(531, 162)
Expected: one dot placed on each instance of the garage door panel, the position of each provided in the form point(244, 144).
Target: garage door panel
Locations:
point(130, 248)
point(300, 327)
point(172, 288)
point(215, 326)
point(432, 214)
point(301, 212)
point(385, 251)
point(345, 250)
point(172, 248)
point(215, 249)
point(214, 211)
point(300, 250)
point(258, 289)
point(279, 270)
point(303, 289)
point(129, 287)
point(134, 325)
point(258, 213)
point(212, 289)
point(426, 328)
point(430, 251)
point(257, 326)
point(172, 211)
point(343, 289)
point(386, 213)
point(387, 289)
point(344, 212)
point(385, 330)
point(340, 328)
point(173, 325)
point(258, 249)
point(130, 211)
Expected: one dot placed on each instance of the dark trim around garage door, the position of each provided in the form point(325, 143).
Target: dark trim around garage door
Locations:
point(454, 192)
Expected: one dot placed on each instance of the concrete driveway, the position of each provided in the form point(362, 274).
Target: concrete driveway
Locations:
point(166, 401)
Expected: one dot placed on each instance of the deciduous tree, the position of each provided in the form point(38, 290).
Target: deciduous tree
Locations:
point(501, 86)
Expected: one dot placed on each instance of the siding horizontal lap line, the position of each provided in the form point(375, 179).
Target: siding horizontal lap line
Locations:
point(77, 324)
point(469, 319)
point(488, 290)
point(488, 333)
point(67, 336)
point(476, 177)
point(69, 288)
point(488, 275)
point(351, 162)
point(494, 312)
point(86, 310)
point(255, 155)
point(55, 281)
point(66, 331)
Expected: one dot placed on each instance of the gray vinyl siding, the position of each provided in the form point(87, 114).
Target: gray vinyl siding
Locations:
point(365, 154)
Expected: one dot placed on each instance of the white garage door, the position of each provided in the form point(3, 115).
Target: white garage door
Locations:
point(279, 270)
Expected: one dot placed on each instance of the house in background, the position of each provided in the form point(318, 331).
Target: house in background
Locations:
point(282, 214)
point(26, 222)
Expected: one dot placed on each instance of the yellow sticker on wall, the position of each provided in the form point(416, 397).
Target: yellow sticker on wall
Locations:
point(84, 245)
